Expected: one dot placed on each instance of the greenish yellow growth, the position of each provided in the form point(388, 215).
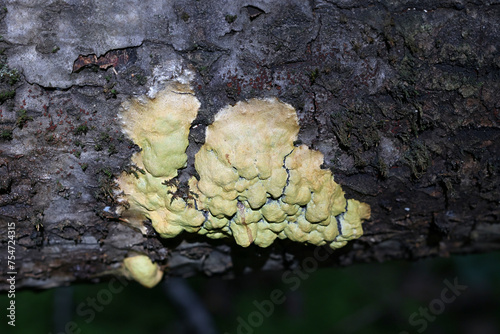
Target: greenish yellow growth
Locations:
point(257, 186)
point(254, 184)
point(143, 270)
point(242, 159)
point(160, 127)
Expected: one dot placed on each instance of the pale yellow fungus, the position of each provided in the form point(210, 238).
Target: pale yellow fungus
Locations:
point(143, 270)
point(160, 127)
point(262, 187)
point(254, 184)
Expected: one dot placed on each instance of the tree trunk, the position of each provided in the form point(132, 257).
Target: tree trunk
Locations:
point(401, 97)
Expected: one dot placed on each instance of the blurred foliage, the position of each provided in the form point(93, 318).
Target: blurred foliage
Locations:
point(370, 298)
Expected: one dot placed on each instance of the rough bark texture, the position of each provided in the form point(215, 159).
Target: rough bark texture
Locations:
point(402, 98)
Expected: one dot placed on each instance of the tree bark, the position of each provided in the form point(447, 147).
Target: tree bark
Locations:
point(401, 97)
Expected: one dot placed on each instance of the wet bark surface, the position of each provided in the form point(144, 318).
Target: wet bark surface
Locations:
point(401, 97)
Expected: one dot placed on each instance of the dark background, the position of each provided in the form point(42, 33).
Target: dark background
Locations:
point(365, 298)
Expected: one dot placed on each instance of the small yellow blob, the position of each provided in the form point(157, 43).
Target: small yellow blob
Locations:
point(142, 270)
